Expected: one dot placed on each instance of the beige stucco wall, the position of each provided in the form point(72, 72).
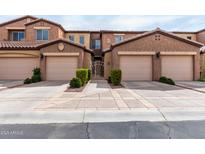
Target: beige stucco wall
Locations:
point(202, 64)
point(77, 38)
point(87, 60)
point(185, 35)
point(19, 53)
point(107, 64)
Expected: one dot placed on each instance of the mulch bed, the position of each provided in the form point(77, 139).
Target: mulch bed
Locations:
point(116, 87)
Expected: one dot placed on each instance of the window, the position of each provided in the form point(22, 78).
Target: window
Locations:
point(82, 40)
point(118, 39)
point(96, 44)
point(18, 36)
point(42, 34)
point(71, 38)
point(189, 37)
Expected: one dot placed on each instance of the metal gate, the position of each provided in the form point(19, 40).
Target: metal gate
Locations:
point(98, 69)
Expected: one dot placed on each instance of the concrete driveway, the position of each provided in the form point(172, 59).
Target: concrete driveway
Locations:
point(98, 95)
point(27, 97)
point(193, 85)
point(162, 95)
point(5, 84)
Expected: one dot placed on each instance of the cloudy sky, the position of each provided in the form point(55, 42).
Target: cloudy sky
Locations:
point(170, 23)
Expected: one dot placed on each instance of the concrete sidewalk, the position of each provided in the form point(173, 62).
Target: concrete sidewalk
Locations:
point(86, 116)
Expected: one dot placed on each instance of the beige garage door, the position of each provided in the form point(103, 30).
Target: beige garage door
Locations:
point(177, 67)
point(61, 68)
point(17, 68)
point(136, 67)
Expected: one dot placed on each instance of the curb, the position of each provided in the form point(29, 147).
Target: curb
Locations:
point(182, 86)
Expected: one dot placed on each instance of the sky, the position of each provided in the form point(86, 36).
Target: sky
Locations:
point(124, 22)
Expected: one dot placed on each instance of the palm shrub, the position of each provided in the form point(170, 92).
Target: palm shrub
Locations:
point(116, 76)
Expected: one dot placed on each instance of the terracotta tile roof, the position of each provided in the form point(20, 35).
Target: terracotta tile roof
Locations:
point(18, 19)
point(18, 45)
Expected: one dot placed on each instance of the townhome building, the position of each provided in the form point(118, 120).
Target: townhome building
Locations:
point(29, 42)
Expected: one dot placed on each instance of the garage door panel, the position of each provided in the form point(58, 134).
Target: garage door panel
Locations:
point(136, 68)
point(17, 68)
point(61, 68)
point(177, 67)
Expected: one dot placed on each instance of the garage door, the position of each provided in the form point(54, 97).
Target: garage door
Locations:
point(136, 67)
point(177, 67)
point(17, 68)
point(61, 68)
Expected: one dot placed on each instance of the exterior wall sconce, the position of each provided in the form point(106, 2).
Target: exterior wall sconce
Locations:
point(158, 54)
point(41, 56)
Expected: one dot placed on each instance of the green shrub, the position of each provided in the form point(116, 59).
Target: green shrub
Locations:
point(89, 74)
point(36, 78)
point(36, 71)
point(166, 80)
point(163, 79)
point(75, 83)
point(116, 76)
point(27, 81)
point(170, 81)
point(82, 74)
point(109, 79)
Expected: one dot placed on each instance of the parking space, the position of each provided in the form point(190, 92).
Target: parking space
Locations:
point(27, 97)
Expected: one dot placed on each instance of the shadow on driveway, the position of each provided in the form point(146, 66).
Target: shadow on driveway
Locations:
point(150, 85)
point(46, 84)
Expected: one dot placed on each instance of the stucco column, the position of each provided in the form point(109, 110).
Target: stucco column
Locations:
point(196, 66)
point(43, 67)
point(156, 67)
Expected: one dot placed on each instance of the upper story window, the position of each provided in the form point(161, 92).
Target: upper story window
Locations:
point(189, 37)
point(42, 34)
point(17, 36)
point(96, 44)
point(71, 38)
point(118, 38)
point(82, 40)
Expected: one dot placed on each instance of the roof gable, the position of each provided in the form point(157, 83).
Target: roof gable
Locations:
point(47, 21)
point(156, 31)
point(66, 42)
point(18, 19)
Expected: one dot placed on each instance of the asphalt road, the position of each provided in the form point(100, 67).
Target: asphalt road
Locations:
point(120, 130)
